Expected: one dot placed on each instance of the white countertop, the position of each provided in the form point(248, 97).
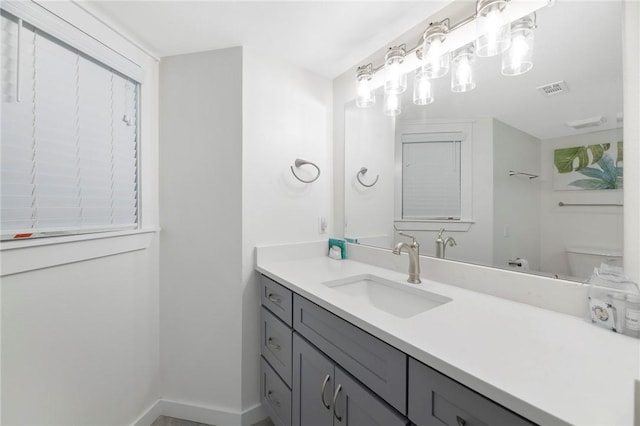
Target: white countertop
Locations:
point(549, 367)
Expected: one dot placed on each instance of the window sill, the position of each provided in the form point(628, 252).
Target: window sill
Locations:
point(463, 225)
point(29, 255)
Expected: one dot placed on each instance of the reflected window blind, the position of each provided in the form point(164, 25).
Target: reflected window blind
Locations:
point(431, 176)
point(69, 143)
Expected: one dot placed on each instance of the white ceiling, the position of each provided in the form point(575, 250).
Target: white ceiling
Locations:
point(576, 41)
point(327, 37)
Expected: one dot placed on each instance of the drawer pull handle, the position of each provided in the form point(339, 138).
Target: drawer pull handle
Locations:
point(335, 397)
point(272, 400)
point(461, 421)
point(274, 298)
point(273, 345)
point(324, 385)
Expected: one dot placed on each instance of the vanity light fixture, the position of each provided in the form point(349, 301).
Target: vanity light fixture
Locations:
point(395, 80)
point(422, 91)
point(519, 58)
point(494, 32)
point(434, 56)
point(496, 26)
point(462, 75)
point(366, 95)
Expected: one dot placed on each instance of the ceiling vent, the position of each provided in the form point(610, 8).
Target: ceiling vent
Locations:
point(553, 89)
point(587, 122)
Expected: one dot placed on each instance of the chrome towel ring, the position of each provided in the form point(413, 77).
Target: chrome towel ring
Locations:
point(362, 172)
point(299, 163)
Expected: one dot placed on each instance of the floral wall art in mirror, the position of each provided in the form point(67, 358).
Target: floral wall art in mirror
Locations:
point(596, 166)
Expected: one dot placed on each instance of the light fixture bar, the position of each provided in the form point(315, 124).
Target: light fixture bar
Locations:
point(459, 35)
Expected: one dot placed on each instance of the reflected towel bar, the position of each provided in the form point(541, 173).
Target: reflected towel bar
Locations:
point(362, 172)
point(561, 204)
point(300, 163)
point(529, 175)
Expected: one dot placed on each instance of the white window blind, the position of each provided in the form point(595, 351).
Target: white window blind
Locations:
point(431, 176)
point(69, 144)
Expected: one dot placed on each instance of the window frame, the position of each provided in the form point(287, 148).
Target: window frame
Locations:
point(429, 142)
point(465, 127)
point(43, 23)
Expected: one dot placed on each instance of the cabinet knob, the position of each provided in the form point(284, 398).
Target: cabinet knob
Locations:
point(461, 421)
point(270, 342)
point(324, 385)
point(335, 397)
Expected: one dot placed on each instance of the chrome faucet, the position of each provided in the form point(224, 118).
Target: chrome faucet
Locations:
point(413, 250)
point(441, 244)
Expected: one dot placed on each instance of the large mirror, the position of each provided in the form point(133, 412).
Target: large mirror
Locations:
point(515, 170)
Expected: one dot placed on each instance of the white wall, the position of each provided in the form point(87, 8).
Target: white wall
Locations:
point(232, 123)
point(516, 199)
point(80, 342)
point(369, 211)
point(200, 212)
point(576, 227)
point(80, 338)
point(286, 115)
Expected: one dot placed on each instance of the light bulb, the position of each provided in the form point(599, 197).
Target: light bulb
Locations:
point(519, 58)
point(365, 95)
point(462, 75)
point(434, 54)
point(494, 33)
point(392, 104)
point(395, 81)
point(422, 91)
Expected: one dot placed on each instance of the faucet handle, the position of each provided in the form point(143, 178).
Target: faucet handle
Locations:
point(440, 233)
point(413, 239)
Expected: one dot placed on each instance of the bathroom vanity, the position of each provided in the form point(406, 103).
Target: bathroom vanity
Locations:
point(346, 342)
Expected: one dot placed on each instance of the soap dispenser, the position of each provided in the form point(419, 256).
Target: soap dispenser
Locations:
point(440, 245)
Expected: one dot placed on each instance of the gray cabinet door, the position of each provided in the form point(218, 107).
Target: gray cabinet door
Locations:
point(313, 382)
point(378, 365)
point(318, 384)
point(355, 405)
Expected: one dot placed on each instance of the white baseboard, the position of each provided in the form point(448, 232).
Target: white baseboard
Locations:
point(150, 415)
point(201, 414)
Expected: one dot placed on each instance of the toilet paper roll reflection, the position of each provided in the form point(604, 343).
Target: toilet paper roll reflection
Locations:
point(523, 264)
point(519, 263)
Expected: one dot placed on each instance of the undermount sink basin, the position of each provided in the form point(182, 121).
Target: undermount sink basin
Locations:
point(389, 296)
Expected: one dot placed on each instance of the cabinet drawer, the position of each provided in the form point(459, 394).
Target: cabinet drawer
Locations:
point(435, 399)
point(376, 364)
point(277, 298)
point(276, 396)
point(276, 344)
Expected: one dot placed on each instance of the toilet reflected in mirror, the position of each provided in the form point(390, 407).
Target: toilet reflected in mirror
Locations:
point(582, 261)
